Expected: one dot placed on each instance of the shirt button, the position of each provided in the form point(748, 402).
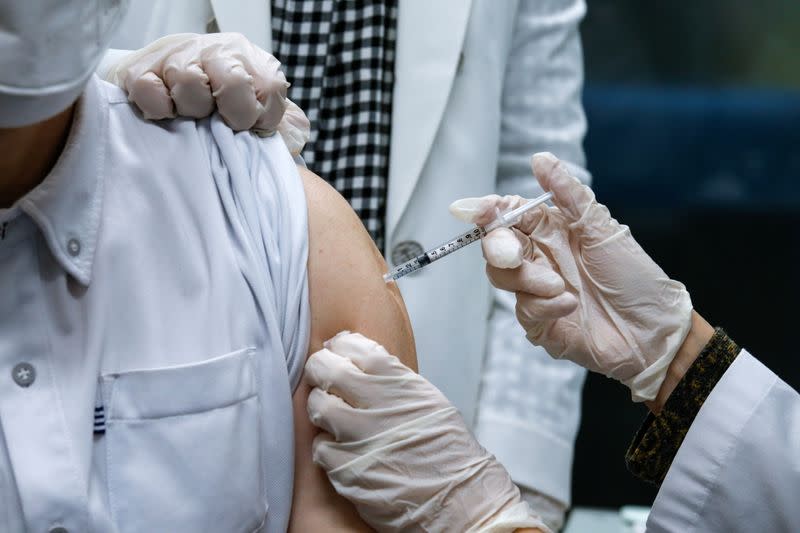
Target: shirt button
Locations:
point(405, 251)
point(74, 247)
point(24, 374)
point(58, 530)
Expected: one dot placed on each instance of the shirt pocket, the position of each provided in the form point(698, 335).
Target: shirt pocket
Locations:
point(183, 450)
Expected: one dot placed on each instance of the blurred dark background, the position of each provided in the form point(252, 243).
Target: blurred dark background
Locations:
point(694, 142)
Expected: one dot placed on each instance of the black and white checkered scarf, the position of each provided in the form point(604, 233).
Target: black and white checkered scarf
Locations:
point(339, 57)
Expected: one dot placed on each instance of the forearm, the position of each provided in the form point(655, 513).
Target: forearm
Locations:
point(698, 337)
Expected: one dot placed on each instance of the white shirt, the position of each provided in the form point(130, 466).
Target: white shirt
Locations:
point(159, 274)
point(738, 469)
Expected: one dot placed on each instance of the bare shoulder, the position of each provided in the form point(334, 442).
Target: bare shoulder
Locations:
point(347, 291)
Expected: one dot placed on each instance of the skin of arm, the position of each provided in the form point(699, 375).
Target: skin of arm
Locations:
point(347, 292)
point(699, 335)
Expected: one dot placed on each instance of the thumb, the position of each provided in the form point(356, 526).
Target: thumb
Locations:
point(571, 196)
point(575, 200)
point(504, 248)
point(295, 128)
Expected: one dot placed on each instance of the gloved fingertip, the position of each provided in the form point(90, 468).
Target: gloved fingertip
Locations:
point(569, 194)
point(549, 283)
point(191, 92)
point(151, 96)
point(239, 74)
point(318, 404)
point(312, 413)
point(311, 405)
point(318, 447)
point(542, 164)
point(570, 303)
point(310, 374)
point(476, 210)
point(502, 249)
point(322, 438)
point(328, 343)
point(355, 347)
point(294, 127)
point(280, 85)
point(558, 283)
point(272, 110)
point(465, 209)
point(326, 368)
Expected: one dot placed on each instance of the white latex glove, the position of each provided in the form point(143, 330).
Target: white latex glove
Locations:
point(189, 75)
point(399, 451)
point(586, 291)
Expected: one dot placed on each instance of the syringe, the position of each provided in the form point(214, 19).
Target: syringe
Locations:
point(504, 220)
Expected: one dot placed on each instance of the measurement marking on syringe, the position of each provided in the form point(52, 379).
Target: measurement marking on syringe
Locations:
point(474, 235)
point(465, 239)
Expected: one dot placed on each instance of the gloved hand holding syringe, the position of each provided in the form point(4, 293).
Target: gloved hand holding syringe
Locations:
point(503, 220)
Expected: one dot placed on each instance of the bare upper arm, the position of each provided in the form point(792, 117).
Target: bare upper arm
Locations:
point(347, 292)
point(345, 272)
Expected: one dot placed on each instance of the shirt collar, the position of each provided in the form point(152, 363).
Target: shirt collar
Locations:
point(67, 205)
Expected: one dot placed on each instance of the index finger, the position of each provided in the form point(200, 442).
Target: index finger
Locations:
point(366, 354)
point(339, 376)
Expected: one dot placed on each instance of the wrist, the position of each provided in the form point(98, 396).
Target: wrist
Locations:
point(697, 338)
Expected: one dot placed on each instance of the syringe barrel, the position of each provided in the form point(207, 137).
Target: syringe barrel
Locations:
point(468, 237)
point(447, 248)
point(434, 254)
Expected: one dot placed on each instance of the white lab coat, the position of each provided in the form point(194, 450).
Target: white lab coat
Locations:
point(738, 468)
point(480, 85)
